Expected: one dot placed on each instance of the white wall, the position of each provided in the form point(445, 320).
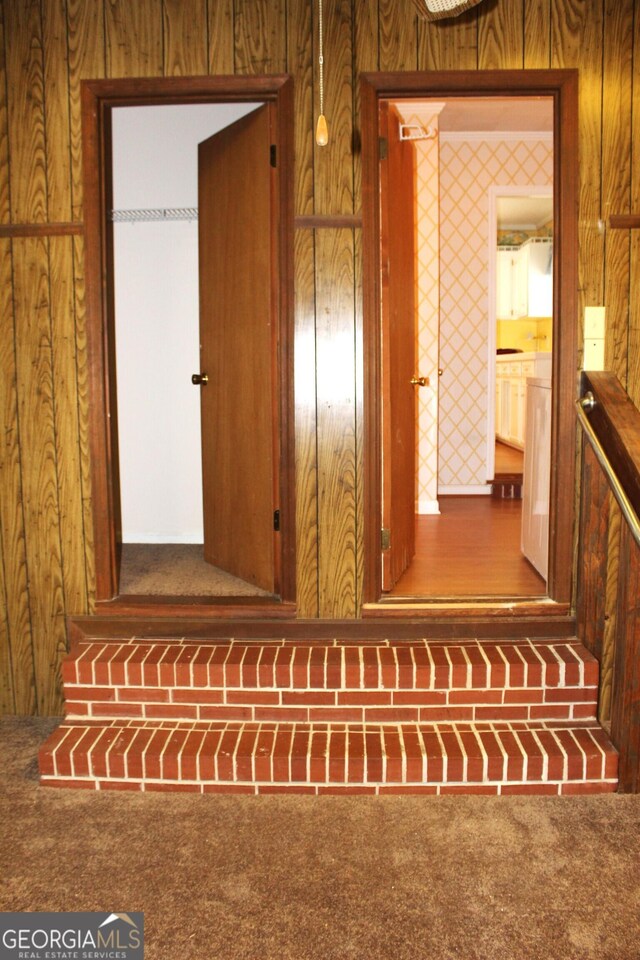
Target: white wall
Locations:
point(156, 304)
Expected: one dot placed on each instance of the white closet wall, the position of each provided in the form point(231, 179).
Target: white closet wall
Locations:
point(156, 304)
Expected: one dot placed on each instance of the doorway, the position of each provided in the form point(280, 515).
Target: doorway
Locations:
point(189, 228)
point(458, 126)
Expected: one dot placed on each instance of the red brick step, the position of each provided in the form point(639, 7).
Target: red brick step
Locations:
point(491, 758)
point(258, 716)
point(417, 681)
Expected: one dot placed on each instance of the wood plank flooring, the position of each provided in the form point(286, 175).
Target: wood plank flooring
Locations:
point(471, 550)
point(508, 459)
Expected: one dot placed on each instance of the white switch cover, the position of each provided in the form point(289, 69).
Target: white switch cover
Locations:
point(593, 355)
point(593, 324)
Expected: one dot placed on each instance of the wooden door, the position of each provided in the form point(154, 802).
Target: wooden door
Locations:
point(399, 406)
point(238, 343)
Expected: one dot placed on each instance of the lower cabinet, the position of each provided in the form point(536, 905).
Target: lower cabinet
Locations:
point(511, 394)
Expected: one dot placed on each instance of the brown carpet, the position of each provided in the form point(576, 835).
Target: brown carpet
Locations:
point(177, 569)
point(291, 878)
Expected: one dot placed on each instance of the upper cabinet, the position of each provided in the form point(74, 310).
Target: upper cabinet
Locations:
point(524, 280)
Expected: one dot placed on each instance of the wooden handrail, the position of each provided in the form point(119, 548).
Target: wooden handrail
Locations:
point(616, 422)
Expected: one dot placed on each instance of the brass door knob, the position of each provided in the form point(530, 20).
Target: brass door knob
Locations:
point(419, 381)
point(200, 379)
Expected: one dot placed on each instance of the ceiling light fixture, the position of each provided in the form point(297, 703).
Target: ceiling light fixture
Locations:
point(439, 9)
point(322, 131)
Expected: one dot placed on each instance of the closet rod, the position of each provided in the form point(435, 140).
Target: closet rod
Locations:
point(159, 213)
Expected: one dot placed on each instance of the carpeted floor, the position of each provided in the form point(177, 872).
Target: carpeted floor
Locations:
point(289, 878)
point(177, 569)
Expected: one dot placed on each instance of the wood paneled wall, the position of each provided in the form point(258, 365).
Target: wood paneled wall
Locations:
point(46, 48)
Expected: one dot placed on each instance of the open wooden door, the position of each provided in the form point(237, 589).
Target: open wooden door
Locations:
point(238, 255)
point(399, 406)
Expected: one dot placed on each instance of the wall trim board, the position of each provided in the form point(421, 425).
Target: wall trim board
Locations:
point(322, 221)
point(66, 229)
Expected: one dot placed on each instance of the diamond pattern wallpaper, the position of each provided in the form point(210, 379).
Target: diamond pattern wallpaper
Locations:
point(428, 304)
point(467, 169)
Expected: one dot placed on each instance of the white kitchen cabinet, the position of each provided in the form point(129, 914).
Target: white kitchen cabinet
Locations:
point(524, 280)
point(512, 373)
point(537, 475)
point(504, 282)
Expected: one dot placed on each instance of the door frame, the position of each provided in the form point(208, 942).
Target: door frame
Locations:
point(99, 97)
point(562, 87)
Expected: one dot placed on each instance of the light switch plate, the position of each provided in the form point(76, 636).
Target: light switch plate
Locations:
point(594, 323)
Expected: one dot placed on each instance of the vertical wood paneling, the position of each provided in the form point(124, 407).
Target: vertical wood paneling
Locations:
point(576, 31)
point(608, 647)
point(45, 529)
point(17, 637)
point(336, 422)
point(633, 377)
point(82, 382)
point(616, 175)
point(449, 44)
point(398, 36)
point(537, 34)
point(86, 61)
point(300, 47)
point(5, 213)
point(366, 58)
point(625, 720)
point(185, 37)
point(7, 695)
point(306, 427)
point(300, 52)
point(220, 36)
point(25, 84)
point(133, 38)
point(260, 36)
point(359, 395)
point(500, 36)
point(38, 465)
point(67, 431)
point(56, 79)
point(592, 556)
point(333, 164)
point(335, 332)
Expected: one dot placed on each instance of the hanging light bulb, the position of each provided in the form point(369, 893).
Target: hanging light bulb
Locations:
point(322, 131)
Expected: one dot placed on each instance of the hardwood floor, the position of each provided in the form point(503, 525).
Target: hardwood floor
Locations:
point(471, 550)
point(508, 459)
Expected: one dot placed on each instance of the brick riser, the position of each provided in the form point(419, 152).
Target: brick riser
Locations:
point(264, 716)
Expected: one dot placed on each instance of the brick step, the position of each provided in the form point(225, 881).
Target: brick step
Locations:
point(487, 758)
point(305, 682)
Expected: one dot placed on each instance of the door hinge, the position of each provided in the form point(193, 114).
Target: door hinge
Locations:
point(385, 538)
point(276, 519)
point(383, 147)
point(273, 155)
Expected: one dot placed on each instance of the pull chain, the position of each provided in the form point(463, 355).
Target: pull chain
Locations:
point(322, 132)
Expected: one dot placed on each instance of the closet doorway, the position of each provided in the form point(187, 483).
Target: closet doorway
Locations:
point(188, 252)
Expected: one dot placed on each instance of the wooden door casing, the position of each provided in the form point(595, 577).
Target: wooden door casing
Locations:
point(562, 87)
point(98, 97)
